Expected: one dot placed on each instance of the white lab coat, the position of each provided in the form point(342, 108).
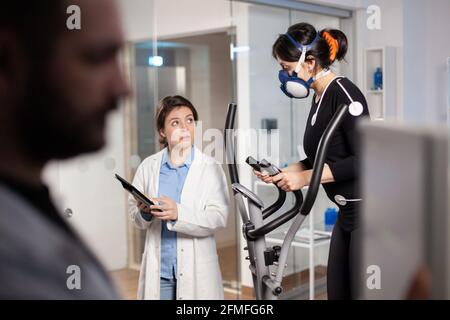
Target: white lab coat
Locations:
point(203, 209)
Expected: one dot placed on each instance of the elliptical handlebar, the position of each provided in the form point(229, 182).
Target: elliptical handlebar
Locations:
point(229, 143)
point(304, 206)
point(253, 234)
point(252, 162)
point(270, 168)
point(268, 285)
point(321, 155)
point(319, 162)
point(273, 224)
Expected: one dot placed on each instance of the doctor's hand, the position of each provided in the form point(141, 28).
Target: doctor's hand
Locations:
point(291, 181)
point(142, 206)
point(166, 210)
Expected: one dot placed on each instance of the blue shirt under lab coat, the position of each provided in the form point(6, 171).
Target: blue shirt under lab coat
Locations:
point(171, 182)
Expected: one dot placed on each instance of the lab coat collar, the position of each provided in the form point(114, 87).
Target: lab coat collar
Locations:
point(166, 160)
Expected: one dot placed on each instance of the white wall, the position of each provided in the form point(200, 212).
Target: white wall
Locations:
point(410, 25)
point(346, 4)
point(138, 18)
point(174, 17)
point(87, 186)
point(427, 47)
point(390, 34)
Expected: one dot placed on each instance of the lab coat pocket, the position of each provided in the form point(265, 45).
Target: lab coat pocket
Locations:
point(209, 278)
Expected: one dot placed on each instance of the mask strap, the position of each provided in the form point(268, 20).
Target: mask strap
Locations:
point(300, 61)
point(302, 48)
point(321, 74)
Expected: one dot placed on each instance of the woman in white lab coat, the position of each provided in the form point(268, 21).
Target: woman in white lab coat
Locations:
point(191, 220)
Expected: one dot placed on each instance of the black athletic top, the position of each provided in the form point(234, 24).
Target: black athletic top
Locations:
point(343, 154)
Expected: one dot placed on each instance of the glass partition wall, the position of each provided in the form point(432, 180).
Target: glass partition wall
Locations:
point(265, 106)
point(197, 66)
point(213, 66)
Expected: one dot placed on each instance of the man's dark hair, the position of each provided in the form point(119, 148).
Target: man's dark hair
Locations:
point(36, 23)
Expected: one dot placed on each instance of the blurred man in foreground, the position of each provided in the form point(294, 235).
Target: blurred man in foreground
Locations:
point(57, 86)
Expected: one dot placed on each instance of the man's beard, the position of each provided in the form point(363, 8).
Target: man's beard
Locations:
point(51, 128)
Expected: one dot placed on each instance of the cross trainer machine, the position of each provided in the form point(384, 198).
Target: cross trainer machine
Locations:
point(267, 285)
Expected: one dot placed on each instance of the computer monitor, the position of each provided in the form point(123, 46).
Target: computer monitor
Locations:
point(405, 217)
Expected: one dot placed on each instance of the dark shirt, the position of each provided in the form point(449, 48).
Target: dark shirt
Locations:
point(44, 270)
point(39, 198)
point(343, 154)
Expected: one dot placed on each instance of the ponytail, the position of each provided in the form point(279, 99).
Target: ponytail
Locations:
point(337, 42)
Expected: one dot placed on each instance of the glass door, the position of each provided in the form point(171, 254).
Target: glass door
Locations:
point(197, 67)
point(257, 28)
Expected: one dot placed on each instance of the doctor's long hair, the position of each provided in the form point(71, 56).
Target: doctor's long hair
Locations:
point(331, 46)
point(165, 106)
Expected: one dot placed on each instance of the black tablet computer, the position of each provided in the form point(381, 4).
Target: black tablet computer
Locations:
point(135, 192)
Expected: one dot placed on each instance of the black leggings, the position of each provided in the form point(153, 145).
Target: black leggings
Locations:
point(341, 264)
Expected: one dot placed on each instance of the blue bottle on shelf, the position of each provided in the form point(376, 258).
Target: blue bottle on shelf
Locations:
point(378, 79)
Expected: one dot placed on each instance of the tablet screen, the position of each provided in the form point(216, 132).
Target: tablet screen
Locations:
point(135, 192)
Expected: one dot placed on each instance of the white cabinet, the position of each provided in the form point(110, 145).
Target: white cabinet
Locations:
point(382, 102)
